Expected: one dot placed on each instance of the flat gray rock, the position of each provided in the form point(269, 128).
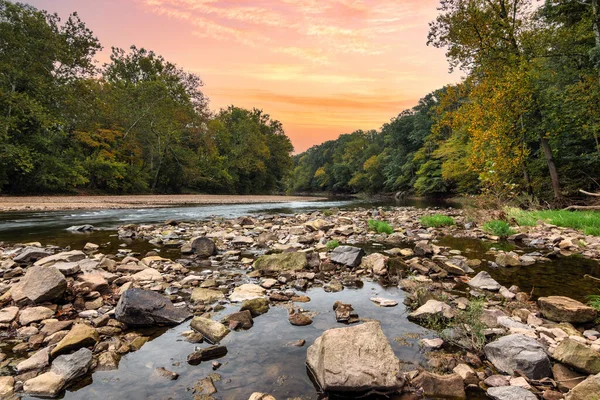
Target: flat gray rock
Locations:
point(40, 284)
point(138, 307)
point(347, 255)
point(510, 393)
point(483, 280)
point(519, 352)
point(73, 366)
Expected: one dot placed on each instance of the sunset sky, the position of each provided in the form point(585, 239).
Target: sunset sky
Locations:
point(321, 67)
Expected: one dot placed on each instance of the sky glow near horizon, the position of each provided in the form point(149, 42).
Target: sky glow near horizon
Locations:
point(321, 67)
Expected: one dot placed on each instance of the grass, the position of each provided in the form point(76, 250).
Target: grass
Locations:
point(586, 221)
point(332, 244)
point(594, 301)
point(436, 221)
point(498, 228)
point(380, 226)
point(471, 318)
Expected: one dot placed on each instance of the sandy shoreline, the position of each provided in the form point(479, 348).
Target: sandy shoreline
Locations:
point(56, 203)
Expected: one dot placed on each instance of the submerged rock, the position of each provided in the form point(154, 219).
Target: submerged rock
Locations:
point(565, 309)
point(347, 255)
point(40, 284)
point(519, 352)
point(138, 307)
point(354, 359)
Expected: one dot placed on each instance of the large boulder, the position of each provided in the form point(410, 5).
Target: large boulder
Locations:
point(65, 256)
point(519, 352)
point(483, 280)
point(203, 247)
point(586, 390)
point(212, 331)
point(578, 356)
point(138, 307)
point(40, 284)
point(565, 309)
point(354, 359)
point(347, 255)
point(283, 262)
point(510, 393)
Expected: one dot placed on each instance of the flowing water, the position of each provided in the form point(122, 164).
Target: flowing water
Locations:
point(261, 359)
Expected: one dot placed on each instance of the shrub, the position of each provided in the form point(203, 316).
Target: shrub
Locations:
point(498, 228)
point(436, 221)
point(380, 226)
point(332, 244)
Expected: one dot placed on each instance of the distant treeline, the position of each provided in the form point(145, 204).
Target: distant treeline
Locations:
point(137, 124)
point(526, 120)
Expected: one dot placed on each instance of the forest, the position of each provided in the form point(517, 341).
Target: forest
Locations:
point(523, 123)
point(137, 124)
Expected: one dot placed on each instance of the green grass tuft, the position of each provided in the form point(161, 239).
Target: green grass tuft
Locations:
point(380, 226)
point(586, 221)
point(436, 221)
point(332, 244)
point(498, 228)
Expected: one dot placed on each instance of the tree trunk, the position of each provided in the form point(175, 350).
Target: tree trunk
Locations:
point(551, 167)
point(596, 26)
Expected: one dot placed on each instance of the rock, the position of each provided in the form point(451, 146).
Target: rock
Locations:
point(384, 302)
point(256, 306)
point(434, 343)
point(8, 314)
point(203, 247)
point(206, 354)
point(299, 319)
point(261, 396)
point(586, 390)
point(357, 358)
point(448, 386)
point(347, 255)
point(206, 296)
point(48, 384)
point(344, 313)
point(40, 284)
point(108, 361)
point(7, 384)
point(466, 373)
point(334, 286)
point(497, 380)
point(519, 352)
point(578, 356)
point(452, 268)
point(483, 280)
point(38, 361)
point(34, 314)
point(508, 260)
point(242, 318)
point(90, 247)
point(81, 335)
point(247, 291)
point(30, 254)
point(138, 307)
point(565, 377)
point(565, 309)
point(72, 366)
point(275, 263)
point(64, 257)
point(166, 374)
point(510, 393)
point(423, 248)
point(81, 228)
point(67, 268)
point(212, 331)
point(148, 274)
point(432, 309)
point(204, 388)
point(376, 262)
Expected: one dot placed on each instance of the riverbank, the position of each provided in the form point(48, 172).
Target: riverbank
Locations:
point(58, 203)
point(457, 315)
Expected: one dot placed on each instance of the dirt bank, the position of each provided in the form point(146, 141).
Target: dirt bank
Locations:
point(54, 203)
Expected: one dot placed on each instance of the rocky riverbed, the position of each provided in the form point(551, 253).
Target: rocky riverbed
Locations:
point(68, 313)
